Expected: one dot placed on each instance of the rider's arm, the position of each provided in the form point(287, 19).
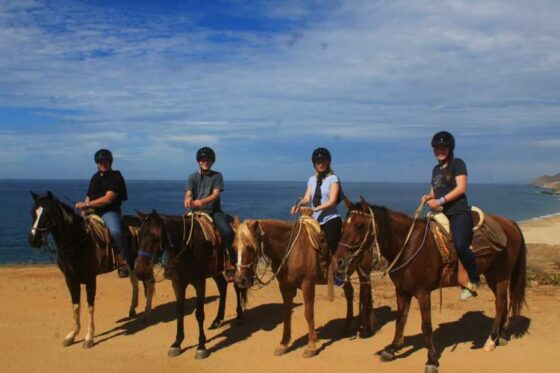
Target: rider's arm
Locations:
point(304, 201)
point(212, 197)
point(459, 190)
point(429, 196)
point(333, 197)
point(102, 201)
point(188, 199)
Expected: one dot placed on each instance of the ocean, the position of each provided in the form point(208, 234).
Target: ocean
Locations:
point(247, 199)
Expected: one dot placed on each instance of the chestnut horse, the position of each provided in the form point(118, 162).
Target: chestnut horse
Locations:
point(418, 270)
point(77, 257)
point(294, 261)
point(192, 264)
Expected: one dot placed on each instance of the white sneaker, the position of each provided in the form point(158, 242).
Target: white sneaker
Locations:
point(466, 294)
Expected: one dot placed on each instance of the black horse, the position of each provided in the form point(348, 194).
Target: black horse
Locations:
point(76, 257)
point(192, 260)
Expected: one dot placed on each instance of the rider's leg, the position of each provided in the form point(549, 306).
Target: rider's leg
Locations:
point(113, 222)
point(226, 232)
point(461, 228)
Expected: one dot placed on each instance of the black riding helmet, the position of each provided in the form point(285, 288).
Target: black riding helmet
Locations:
point(321, 154)
point(444, 138)
point(205, 153)
point(103, 155)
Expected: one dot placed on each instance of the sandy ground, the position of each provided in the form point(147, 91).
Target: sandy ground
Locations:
point(35, 315)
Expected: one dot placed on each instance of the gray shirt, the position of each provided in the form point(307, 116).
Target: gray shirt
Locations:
point(202, 186)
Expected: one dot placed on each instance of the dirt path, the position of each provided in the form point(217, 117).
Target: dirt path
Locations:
point(35, 315)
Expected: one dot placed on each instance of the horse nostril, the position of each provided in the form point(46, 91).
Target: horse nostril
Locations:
point(340, 262)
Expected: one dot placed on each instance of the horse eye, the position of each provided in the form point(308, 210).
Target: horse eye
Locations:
point(360, 227)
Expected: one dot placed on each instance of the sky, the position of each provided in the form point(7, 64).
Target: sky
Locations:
point(265, 82)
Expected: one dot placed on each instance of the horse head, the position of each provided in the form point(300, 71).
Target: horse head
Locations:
point(45, 218)
point(358, 235)
point(151, 243)
point(248, 244)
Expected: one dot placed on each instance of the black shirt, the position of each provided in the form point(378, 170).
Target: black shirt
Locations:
point(442, 186)
point(202, 186)
point(101, 183)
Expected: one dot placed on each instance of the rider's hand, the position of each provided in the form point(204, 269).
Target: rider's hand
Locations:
point(425, 198)
point(80, 205)
point(197, 203)
point(188, 203)
point(433, 203)
point(294, 210)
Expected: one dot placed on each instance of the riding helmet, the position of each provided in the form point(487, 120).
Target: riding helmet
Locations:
point(103, 155)
point(205, 153)
point(444, 138)
point(321, 154)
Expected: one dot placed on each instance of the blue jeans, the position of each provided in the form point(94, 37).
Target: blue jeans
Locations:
point(461, 229)
point(113, 221)
point(221, 222)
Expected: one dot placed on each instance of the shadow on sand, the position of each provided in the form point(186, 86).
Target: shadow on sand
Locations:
point(473, 327)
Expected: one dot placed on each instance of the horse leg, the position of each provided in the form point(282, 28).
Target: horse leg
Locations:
point(349, 295)
point(288, 294)
point(222, 290)
point(74, 288)
point(425, 304)
point(200, 287)
point(90, 292)
point(149, 287)
point(308, 289)
point(500, 318)
point(134, 300)
point(366, 309)
point(241, 303)
point(403, 306)
point(179, 289)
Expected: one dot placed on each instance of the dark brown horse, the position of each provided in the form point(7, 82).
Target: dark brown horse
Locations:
point(193, 262)
point(294, 261)
point(418, 270)
point(76, 257)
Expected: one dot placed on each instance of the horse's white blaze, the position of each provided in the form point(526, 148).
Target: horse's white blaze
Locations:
point(239, 254)
point(38, 213)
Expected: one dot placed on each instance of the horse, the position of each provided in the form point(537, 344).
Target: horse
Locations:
point(419, 267)
point(76, 257)
point(294, 260)
point(192, 264)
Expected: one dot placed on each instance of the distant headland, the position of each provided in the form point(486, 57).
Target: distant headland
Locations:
point(551, 183)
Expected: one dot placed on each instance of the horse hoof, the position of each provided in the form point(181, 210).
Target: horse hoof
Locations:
point(365, 334)
point(201, 354)
point(490, 345)
point(431, 369)
point(502, 341)
point(309, 352)
point(386, 356)
point(174, 351)
point(280, 350)
point(67, 342)
point(131, 314)
point(88, 343)
point(215, 325)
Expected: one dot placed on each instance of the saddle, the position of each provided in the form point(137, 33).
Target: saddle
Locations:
point(211, 234)
point(488, 239)
point(106, 251)
point(316, 239)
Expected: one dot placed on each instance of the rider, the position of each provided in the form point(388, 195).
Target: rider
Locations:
point(106, 192)
point(449, 185)
point(324, 191)
point(203, 193)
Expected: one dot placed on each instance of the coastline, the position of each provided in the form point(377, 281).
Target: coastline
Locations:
point(542, 229)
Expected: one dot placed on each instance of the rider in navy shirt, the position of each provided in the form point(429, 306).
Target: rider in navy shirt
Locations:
point(106, 192)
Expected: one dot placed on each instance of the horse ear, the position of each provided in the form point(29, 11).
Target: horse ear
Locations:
point(35, 196)
point(50, 195)
point(235, 223)
point(348, 203)
point(364, 203)
point(253, 226)
point(154, 212)
point(140, 214)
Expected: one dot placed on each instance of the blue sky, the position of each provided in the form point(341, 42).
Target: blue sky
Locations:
point(266, 82)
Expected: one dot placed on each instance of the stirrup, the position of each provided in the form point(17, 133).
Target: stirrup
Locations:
point(122, 271)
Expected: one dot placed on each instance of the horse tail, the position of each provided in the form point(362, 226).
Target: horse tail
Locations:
point(518, 281)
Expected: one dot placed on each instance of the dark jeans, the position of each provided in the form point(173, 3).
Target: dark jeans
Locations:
point(332, 231)
point(221, 222)
point(461, 229)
